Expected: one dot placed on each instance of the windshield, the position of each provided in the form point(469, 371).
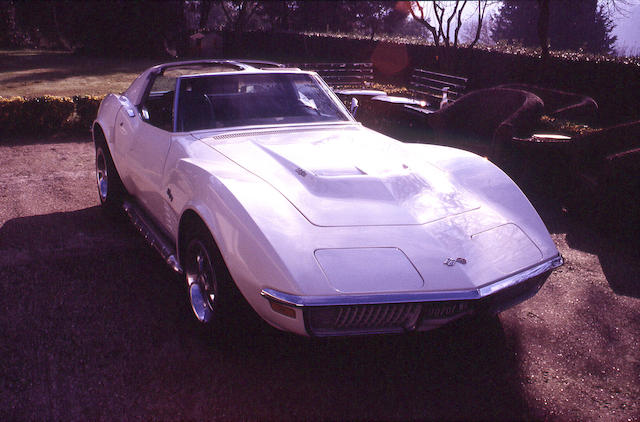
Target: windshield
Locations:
point(218, 101)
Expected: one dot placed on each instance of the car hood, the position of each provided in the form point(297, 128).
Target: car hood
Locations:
point(346, 175)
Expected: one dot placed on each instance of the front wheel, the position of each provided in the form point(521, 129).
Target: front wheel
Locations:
point(206, 276)
point(110, 189)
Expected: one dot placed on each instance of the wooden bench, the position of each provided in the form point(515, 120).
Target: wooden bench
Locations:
point(341, 75)
point(348, 80)
point(432, 86)
point(428, 92)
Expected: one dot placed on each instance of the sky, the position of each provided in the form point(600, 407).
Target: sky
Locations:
point(628, 29)
point(627, 23)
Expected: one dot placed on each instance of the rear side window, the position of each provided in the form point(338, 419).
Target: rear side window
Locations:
point(157, 108)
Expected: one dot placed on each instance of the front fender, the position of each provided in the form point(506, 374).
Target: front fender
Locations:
point(239, 210)
point(106, 117)
point(483, 179)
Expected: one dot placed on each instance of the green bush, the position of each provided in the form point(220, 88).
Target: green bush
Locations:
point(9, 112)
point(555, 125)
point(35, 116)
point(46, 115)
point(86, 110)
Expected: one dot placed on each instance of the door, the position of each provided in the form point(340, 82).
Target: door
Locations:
point(142, 144)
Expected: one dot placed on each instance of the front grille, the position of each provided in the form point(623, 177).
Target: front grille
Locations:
point(376, 315)
point(401, 317)
point(356, 319)
point(382, 318)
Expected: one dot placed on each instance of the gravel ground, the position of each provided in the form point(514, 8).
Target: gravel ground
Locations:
point(95, 327)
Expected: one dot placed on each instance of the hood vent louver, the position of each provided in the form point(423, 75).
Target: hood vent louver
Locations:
point(266, 132)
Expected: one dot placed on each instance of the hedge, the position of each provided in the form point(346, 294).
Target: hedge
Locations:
point(47, 114)
point(86, 110)
point(613, 83)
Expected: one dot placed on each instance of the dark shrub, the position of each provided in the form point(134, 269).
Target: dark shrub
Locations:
point(86, 110)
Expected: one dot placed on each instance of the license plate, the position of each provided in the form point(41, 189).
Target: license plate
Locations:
point(444, 310)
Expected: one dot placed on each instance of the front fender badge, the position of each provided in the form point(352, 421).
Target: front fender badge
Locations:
point(450, 262)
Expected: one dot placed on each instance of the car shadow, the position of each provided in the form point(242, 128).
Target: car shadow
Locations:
point(619, 255)
point(97, 326)
point(619, 259)
point(466, 371)
point(63, 234)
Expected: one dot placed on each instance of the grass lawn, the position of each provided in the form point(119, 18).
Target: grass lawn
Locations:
point(33, 73)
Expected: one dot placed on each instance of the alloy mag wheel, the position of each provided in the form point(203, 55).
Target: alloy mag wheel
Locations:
point(202, 282)
point(102, 174)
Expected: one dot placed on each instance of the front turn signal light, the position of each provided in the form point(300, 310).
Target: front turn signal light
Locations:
point(283, 309)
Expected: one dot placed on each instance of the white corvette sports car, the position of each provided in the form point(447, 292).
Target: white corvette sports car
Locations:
point(247, 173)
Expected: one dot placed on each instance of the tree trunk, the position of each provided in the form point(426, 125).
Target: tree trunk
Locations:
point(61, 38)
point(482, 7)
point(205, 9)
point(543, 30)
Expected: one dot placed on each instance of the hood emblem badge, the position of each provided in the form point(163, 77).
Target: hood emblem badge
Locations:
point(450, 262)
point(301, 172)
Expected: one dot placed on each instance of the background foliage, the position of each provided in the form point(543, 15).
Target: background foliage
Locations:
point(573, 25)
point(299, 31)
point(45, 115)
point(151, 28)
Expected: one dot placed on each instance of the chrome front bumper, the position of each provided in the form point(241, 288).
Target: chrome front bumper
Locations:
point(401, 312)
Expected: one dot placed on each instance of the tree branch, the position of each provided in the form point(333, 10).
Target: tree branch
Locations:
point(424, 22)
point(481, 10)
point(449, 19)
point(439, 18)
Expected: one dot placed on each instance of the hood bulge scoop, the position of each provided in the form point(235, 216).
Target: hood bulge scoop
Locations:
point(348, 176)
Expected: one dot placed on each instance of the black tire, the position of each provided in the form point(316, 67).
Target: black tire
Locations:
point(110, 188)
point(211, 290)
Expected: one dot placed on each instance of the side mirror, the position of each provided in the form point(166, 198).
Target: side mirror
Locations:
point(145, 113)
point(354, 106)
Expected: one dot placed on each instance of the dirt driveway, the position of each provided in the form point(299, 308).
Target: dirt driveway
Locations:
point(94, 327)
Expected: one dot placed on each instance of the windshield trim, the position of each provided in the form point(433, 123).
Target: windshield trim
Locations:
point(321, 83)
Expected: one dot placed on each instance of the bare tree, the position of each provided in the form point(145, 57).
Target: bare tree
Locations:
point(477, 30)
point(617, 7)
point(482, 7)
point(446, 14)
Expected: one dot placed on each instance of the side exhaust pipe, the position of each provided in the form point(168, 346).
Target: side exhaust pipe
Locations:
point(153, 236)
